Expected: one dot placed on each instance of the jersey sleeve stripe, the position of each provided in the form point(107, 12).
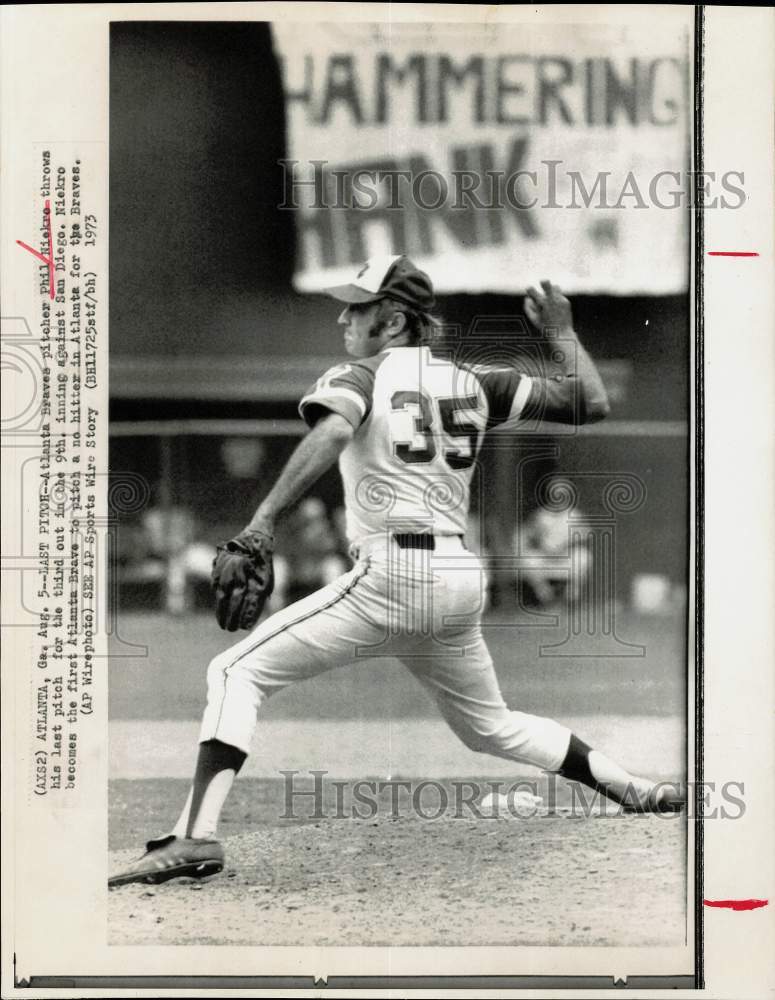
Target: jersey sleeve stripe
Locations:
point(346, 403)
point(521, 397)
point(507, 392)
point(518, 404)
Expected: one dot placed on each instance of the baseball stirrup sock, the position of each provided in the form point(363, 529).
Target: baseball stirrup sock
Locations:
point(600, 773)
point(216, 767)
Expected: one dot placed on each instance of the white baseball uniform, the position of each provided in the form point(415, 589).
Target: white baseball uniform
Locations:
point(415, 591)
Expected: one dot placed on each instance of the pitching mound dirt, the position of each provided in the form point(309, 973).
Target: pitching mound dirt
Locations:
point(406, 881)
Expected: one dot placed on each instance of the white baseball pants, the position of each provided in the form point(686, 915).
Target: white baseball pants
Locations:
point(421, 606)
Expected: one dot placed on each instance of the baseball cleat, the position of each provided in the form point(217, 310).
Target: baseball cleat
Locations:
point(173, 857)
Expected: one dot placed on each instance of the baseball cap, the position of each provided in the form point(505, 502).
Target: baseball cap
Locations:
point(387, 277)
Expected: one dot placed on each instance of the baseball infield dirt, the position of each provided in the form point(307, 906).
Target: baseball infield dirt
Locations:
point(402, 880)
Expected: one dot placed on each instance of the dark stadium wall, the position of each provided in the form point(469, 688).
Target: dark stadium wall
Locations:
point(195, 238)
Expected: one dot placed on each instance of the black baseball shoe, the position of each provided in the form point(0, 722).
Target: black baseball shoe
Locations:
point(173, 857)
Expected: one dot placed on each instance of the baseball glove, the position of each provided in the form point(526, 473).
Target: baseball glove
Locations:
point(243, 579)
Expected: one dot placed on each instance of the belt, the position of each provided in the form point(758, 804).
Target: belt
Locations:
point(406, 540)
point(423, 541)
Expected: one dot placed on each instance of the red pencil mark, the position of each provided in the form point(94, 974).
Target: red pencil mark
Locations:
point(731, 253)
point(48, 261)
point(737, 904)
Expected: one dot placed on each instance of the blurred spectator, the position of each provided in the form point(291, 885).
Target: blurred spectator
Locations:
point(555, 564)
point(308, 555)
point(243, 457)
point(162, 556)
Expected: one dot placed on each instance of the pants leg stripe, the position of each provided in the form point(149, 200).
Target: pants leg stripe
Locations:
point(278, 631)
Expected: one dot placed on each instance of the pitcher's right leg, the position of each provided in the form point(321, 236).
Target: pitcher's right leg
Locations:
point(320, 632)
point(305, 639)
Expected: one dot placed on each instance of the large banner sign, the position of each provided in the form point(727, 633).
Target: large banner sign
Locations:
point(495, 155)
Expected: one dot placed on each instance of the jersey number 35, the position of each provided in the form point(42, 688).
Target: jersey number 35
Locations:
point(431, 414)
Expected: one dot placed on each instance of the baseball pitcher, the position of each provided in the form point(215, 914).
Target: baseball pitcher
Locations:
point(405, 426)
